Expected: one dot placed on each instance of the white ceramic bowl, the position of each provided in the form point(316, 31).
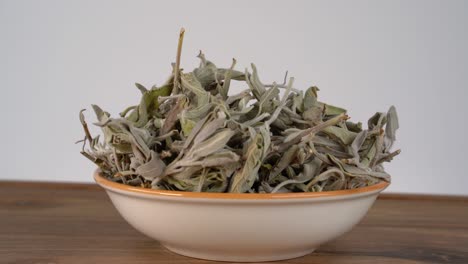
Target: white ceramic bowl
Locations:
point(241, 227)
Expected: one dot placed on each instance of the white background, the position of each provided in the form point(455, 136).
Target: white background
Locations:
point(58, 57)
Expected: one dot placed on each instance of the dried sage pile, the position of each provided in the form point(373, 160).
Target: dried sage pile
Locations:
point(192, 134)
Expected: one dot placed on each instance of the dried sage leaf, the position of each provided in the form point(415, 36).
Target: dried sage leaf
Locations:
point(191, 134)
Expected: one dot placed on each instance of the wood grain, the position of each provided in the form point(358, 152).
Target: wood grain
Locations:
point(51, 223)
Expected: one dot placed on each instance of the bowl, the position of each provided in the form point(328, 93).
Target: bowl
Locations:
point(241, 227)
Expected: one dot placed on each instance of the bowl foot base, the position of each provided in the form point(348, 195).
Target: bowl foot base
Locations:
point(209, 255)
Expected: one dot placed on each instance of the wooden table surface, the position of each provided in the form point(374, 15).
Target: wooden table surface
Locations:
point(51, 223)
